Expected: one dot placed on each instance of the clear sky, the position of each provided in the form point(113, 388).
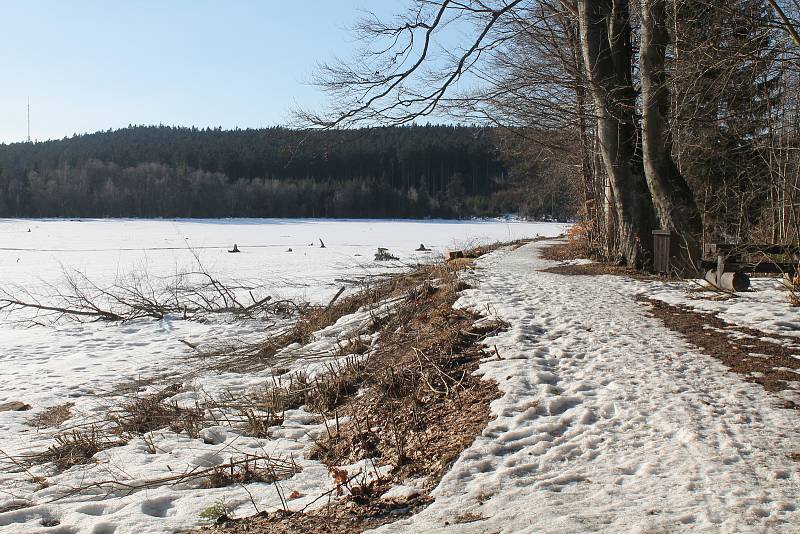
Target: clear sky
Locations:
point(93, 65)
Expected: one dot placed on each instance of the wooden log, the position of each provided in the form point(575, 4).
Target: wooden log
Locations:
point(335, 297)
point(14, 406)
point(728, 281)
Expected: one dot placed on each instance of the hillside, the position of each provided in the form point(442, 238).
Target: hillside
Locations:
point(161, 171)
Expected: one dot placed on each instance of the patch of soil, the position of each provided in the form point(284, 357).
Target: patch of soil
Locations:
point(575, 250)
point(597, 269)
point(338, 518)
point(743, 350)
point(572, 249)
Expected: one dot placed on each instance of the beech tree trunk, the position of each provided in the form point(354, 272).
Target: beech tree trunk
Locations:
point(608, 57)
point(672, 197)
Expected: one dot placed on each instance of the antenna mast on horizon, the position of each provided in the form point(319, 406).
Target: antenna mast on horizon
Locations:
point(29, 119)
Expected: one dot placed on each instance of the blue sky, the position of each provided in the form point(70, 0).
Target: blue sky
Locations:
point(92, 65)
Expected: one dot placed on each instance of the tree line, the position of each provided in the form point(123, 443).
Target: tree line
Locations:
point(161, 171)
point(679, 114)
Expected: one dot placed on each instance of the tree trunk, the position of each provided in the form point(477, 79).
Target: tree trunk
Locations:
point(673, 198)
point(591, 209)
point(608, 57)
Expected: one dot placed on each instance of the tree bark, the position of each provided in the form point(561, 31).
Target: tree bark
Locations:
point(608, 57)
point(672, 197)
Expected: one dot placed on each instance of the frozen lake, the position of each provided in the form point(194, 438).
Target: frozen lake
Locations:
point(35, 250)
point(42, 365)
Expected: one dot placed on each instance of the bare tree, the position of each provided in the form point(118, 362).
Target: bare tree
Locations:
point(664, 119)
point(673, 199)
point(608, 58)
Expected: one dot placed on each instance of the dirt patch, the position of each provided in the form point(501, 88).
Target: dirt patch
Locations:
point(335, 519)
point(574, 249)
point(597, 269)
point(743, 350)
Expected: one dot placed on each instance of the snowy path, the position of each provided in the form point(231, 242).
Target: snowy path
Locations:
point(610, 422)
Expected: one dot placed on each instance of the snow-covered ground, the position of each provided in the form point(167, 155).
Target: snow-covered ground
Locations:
point(610, 422)
point(52, 364)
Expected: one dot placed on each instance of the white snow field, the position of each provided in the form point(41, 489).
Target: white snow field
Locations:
point(609, 422)
point(85, 363)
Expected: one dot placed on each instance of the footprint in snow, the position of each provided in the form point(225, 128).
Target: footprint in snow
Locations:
point(104, 528)
point(157, 507)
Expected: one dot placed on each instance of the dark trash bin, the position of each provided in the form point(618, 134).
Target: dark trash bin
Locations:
point(665, 248)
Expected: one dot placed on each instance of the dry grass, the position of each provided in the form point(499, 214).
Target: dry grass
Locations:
point(575, 247)
point(249, 469)
point(411, 398)
point(410, 401)
point(144, 414)
point(77, 447)
point(52, 416)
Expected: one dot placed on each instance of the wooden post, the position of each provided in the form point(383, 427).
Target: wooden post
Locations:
point(720, 267)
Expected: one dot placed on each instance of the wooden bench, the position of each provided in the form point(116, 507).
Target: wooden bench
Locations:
point(727, 264)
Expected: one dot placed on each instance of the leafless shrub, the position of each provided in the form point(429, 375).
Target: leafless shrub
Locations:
point(794, 298)
point(149, 413)
point(249, 469)
point(191, 294)
point(77, 447)
point(259, 422)
point(339, 381)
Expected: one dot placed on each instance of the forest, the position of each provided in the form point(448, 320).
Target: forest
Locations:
point(662, 114)
point(161, 171)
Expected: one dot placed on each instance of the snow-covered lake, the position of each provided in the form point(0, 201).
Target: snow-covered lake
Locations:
point(32, 249)
point(43, 364)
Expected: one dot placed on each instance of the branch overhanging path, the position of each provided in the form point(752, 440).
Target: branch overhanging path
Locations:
point(609, 421)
